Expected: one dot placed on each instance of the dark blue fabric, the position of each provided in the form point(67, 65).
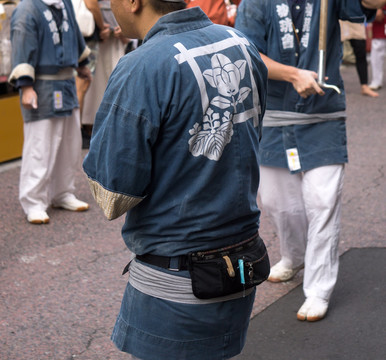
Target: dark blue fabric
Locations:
point(297, 15)
point(259, 20)
point(165, 132)
point(268, 24)
point(155, 329)
point(318, 144)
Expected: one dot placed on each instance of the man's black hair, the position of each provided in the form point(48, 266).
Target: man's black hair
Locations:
point(165, 7)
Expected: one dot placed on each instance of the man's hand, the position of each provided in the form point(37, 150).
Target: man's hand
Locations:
point(105, 32)
point(119, 35)
point(29, 98)
point(305, 83)
point(373, 4)
point(84, 73)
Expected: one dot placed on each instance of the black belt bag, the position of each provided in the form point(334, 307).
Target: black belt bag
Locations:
point(229, 270)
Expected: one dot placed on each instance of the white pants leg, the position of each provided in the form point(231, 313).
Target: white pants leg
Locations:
point(305, 209)
point(322, 194)
point(281, 194)
point(48, 159)
point(377, 56)
point(68, 159)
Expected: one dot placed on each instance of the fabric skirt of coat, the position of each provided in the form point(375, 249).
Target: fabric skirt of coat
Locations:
point(152, 329)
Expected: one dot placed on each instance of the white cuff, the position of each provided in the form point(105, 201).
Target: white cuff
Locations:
point(21, 70)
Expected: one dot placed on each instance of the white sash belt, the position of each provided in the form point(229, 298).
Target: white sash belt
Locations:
point(64, 74)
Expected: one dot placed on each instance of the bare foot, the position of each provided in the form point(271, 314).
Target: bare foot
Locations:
point(365, 90)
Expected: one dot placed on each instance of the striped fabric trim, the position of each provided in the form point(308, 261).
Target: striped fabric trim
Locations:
point(113, 204)
point(86, 52)
point(21, 70)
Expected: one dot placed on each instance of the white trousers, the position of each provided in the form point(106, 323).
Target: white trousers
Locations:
point(377, 57)
point(51, 156)
point(305, 209)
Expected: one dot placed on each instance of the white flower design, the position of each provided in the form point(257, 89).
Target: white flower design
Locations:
point(225, 76)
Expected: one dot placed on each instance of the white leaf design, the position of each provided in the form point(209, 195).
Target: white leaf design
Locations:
point(208, 75)
point(241, 65)
point(220, 102)
point(197, 143)
point(244, 92)
point(211, 143)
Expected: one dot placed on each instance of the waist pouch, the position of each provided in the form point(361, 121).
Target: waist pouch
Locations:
point(228, 270)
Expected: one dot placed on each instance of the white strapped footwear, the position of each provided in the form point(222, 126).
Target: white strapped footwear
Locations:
point(38, 217)
point(313, 309)
point(280, 273)
point(72, 204)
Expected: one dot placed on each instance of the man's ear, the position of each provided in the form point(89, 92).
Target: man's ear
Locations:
point(135, 5)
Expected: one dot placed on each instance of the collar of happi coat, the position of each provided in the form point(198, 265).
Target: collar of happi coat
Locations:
point(57, 3)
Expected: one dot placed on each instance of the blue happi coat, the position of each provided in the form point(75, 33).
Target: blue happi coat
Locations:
point(40, 47)
point(322, 141)
point(177, 133)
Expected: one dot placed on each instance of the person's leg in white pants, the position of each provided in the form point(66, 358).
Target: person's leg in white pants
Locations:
point(305, 209)
point(377, 56)
point(281, 198)
point(51, 155)
point(322, 194)
point(68, 160)
point(39, 155)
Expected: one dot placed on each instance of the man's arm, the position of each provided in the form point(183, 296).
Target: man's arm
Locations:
point(304, 81)
point(104, 28)
point(373, 4)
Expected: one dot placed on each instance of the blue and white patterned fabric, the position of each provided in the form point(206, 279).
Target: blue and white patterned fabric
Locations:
point(321, 137)
point(177, 135)
point(41, 47)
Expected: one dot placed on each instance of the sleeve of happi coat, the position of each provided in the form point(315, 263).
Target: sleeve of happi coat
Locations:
point(25, 44)
point(119, 161)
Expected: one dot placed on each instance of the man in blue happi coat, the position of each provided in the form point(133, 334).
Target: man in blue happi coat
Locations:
point(303, 148)
point(174, 149)
point(47, 47)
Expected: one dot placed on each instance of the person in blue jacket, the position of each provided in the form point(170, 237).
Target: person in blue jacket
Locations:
point(174, 148)
point(303, 148)
point(47, 47)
